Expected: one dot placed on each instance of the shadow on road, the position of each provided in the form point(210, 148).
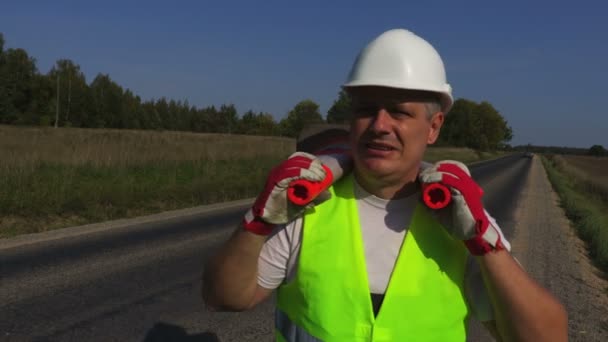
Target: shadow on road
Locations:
point(169, 332)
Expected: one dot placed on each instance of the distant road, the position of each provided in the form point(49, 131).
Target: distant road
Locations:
point(142, 283)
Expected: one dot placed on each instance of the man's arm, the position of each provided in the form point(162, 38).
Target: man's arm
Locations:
point(524, 311)
point(491, 327)
point(230, 278)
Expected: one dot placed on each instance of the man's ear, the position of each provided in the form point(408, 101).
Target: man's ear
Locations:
point(436, 123)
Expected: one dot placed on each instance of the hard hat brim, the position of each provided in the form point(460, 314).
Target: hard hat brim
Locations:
point(445, 94)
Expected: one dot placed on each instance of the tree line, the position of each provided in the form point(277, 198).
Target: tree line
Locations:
point(594, 150)
point(63, 98)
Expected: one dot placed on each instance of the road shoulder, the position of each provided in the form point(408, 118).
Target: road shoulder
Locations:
point(547, 246)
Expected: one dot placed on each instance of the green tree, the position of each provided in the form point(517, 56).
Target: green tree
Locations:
point(183, 115)
point(42, 103)
point(257, 124)
point(508, 137)
point(162, 108)
point(267, 125)
point(227, 119)
point(491, 129)
point(17, 74)
point(132, 107)
point(248, 123)
point(224, 120)
point(304, 113)
point(598, 151)
point(341, 109)
point(107, 103)
point(6, 107)
point(457, 124)
point(150, 118)
point(197, 120)
point(75, 103)
point(475, 125)
point(209, 119)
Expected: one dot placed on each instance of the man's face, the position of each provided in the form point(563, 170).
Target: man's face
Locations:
point(390, 130)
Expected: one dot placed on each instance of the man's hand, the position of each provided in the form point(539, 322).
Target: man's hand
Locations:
point(465, 216)
point(272, 206)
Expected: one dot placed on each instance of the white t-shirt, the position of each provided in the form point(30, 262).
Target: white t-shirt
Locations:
point(383, 226)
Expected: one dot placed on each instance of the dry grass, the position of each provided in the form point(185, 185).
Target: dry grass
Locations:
point(594, 168)
point(584, 197)
point(52, 178)
point(590, 172)
point(465, 155)
point(77, 146)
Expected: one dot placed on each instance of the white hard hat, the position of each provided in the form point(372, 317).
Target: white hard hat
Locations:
point(400, 59)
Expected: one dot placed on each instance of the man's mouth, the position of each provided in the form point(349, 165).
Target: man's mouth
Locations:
point(379, 146)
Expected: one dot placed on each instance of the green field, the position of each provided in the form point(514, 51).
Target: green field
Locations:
point(583, 193)
point(53, 178)
point(592, 173)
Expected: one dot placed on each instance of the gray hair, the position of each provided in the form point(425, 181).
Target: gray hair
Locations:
point(432, 107)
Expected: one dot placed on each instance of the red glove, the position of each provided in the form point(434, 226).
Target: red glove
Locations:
point(466, 217)
point(272, 206)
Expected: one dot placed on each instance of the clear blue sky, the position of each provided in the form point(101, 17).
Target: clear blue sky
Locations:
point(542, 64)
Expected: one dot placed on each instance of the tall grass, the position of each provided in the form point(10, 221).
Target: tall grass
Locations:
point(22, 147)
point(52, 178)
point(465, 155)
point(585, 206)
point(591, 173)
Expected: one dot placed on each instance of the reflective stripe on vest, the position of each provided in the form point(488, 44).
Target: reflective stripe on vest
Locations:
point(288, 331)
point(329, 298)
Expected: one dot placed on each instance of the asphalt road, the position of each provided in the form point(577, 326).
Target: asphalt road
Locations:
point(142, 282)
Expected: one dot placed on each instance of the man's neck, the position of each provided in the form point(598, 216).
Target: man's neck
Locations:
point(388, 188)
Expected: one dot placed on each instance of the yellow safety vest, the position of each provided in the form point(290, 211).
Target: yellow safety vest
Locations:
point(329, 298)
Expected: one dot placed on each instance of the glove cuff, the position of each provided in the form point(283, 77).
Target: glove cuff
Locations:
point(487, 241)
point(255, 225)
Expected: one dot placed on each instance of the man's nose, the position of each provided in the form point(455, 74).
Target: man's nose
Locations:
point(381, 121)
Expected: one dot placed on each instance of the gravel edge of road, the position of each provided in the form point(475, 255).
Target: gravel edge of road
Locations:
point(547, 246)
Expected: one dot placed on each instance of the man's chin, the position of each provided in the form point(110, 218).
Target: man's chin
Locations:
point(382, 168)
point(377, 167)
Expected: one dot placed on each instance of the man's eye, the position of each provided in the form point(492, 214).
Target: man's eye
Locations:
point(365, 110)
point(400, 113)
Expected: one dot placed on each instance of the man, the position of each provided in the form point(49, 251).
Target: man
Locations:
point(372, 263)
